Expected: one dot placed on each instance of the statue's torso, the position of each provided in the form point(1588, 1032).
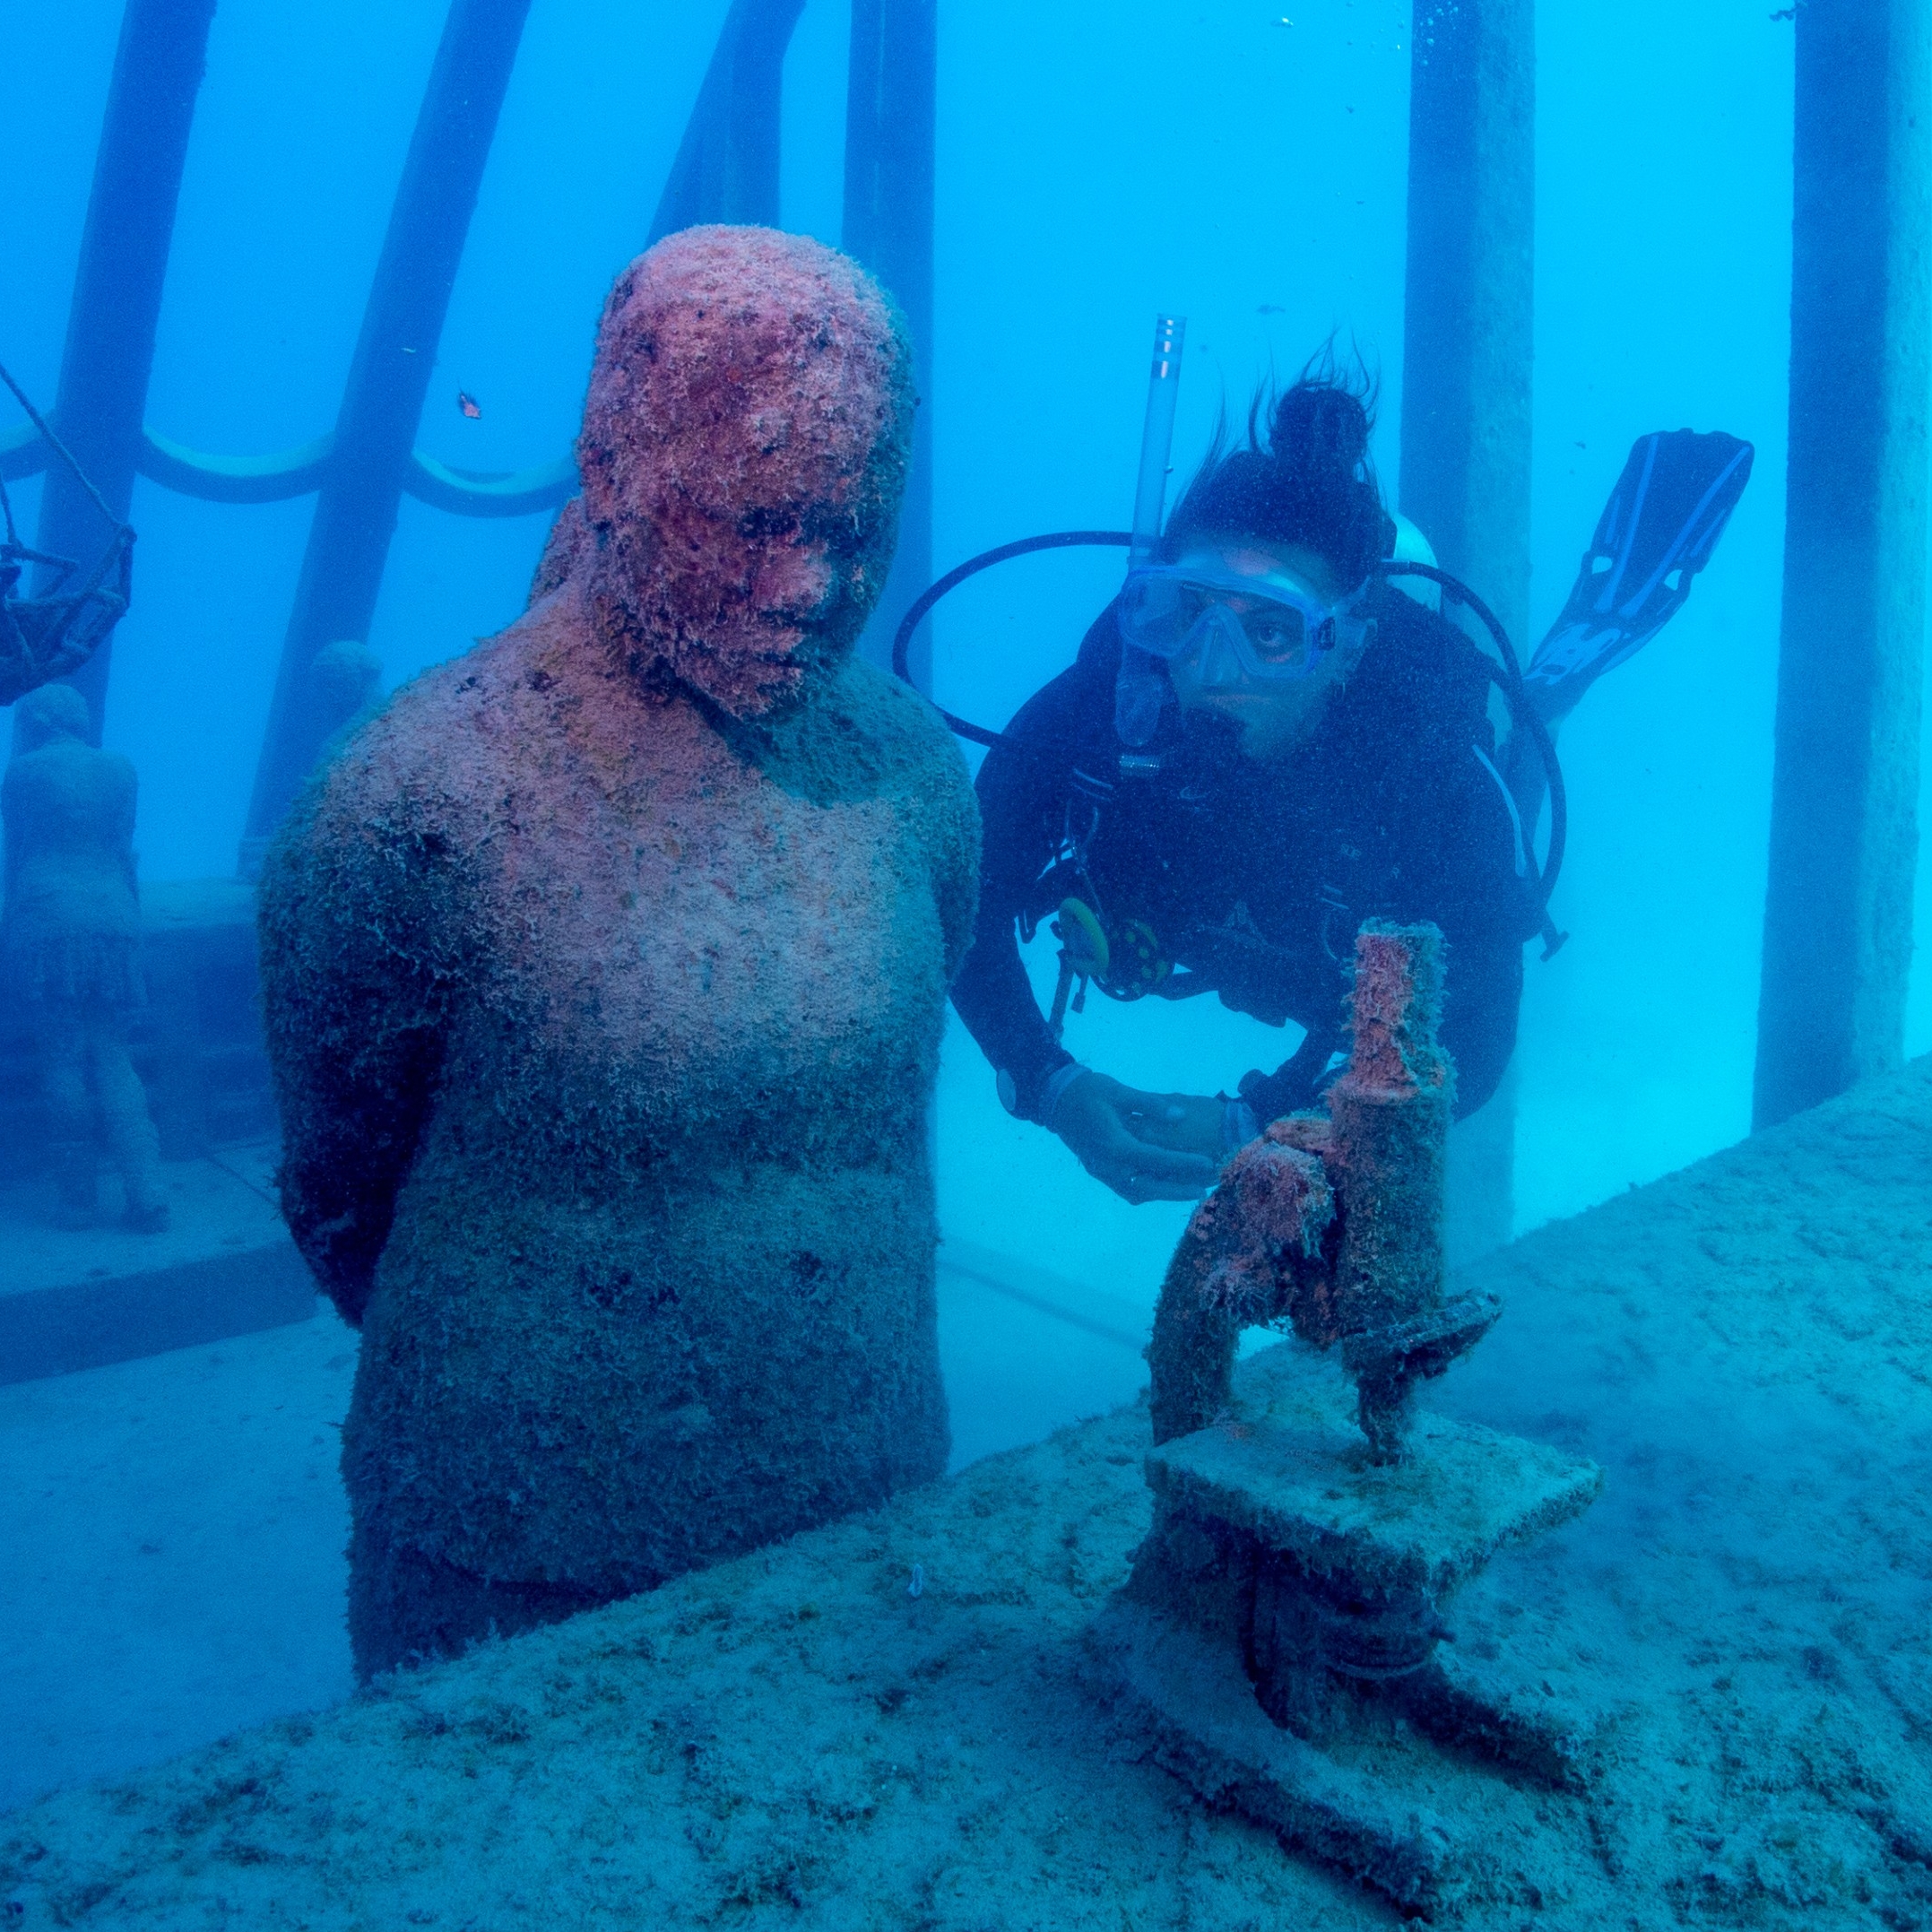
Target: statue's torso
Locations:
point(70, 820)
point(672, 1207)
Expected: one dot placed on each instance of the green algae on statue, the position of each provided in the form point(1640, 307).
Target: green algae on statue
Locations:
point(71, 940)
point(605, 972)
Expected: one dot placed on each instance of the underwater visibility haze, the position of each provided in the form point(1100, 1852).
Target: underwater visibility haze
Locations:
point(959, 963)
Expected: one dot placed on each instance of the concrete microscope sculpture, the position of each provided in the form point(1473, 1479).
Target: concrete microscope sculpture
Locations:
point(1280, 1633)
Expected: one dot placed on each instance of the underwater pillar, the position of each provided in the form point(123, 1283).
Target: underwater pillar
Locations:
point(1838, 907)
point(890, 105)
point(117, 302)
point(1468, 350)
point(726, 167)
point(388, 376)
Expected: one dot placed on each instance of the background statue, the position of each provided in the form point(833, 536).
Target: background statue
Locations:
point(605, 971)
point(71, 937)
point(345, 689)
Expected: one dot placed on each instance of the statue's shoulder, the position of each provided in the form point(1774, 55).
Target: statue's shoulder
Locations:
point(394, 809)
point(440, 736)
point(58, 763)
point(902, 727)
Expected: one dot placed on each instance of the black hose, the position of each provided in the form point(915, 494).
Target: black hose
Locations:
point(1508, 675)
point(901, 638)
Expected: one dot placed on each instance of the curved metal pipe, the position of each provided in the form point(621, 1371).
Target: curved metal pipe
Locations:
point(545, 486)
point(290, 473)
point(303, 469)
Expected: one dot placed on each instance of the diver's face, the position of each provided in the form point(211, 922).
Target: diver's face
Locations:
point(1276, 716)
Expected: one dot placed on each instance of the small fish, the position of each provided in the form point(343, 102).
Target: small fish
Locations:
point(1271, 308)
point(468, 404)
point(917, 1587)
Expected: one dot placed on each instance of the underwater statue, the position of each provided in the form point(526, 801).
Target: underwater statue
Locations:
point(604, 975)
point(70, 939)
point(344, 688)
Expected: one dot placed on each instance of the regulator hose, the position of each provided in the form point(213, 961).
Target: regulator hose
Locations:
point(901, 638)
point(1507, 674)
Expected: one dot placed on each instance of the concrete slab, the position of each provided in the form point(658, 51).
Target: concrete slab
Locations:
point(175, 1529)
point(77, 1299)
point(882, 1723)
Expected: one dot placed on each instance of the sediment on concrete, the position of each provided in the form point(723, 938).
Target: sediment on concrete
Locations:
point(895, 1721)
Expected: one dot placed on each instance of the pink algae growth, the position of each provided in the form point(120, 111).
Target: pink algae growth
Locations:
point(1398, 975)
point(1273, 1207)
point(744, 445)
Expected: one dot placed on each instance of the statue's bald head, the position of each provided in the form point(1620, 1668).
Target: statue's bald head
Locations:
point(743, 453)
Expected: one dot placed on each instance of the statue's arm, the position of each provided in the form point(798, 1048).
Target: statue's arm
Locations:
point(355, 1005)
point(127, 793)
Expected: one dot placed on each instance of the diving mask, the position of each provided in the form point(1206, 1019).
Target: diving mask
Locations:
point(1244, 619)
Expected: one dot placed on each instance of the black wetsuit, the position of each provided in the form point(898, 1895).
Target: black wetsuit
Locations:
point(1251, 880)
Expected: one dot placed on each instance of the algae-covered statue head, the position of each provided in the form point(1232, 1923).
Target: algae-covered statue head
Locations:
point(744, 449)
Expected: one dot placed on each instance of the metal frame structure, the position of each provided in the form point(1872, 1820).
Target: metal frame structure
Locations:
point(1843, 835)
point(725, 169)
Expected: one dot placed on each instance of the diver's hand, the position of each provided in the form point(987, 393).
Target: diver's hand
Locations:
point(1145, 1147)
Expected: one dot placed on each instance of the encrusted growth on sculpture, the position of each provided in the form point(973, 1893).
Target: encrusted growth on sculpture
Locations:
point(1335, 1223)
point(605, 975)
point(714, 332)
point(1395, 1006)
point(1291, 1582)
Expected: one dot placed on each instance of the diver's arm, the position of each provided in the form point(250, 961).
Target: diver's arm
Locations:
point(1297, 1082)
point(354, 1012)
point(1142, 1146)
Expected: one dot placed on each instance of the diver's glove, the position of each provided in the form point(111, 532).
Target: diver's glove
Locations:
point(1145, 1147)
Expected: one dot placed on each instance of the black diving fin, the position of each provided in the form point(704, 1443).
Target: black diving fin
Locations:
point(1657, 532)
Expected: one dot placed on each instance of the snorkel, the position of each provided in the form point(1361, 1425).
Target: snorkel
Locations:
point(1138, 690)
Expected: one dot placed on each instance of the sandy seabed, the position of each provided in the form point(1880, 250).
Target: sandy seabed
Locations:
point(799, 1738)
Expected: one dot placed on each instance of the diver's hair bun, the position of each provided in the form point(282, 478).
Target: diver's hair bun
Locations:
point(1320, 426)
point(1307, 482)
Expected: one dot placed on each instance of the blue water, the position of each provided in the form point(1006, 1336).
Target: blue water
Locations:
point(1095, 163)
point(1240, 164)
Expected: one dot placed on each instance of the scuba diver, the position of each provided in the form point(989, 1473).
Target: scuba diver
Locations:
point(1265, 741)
